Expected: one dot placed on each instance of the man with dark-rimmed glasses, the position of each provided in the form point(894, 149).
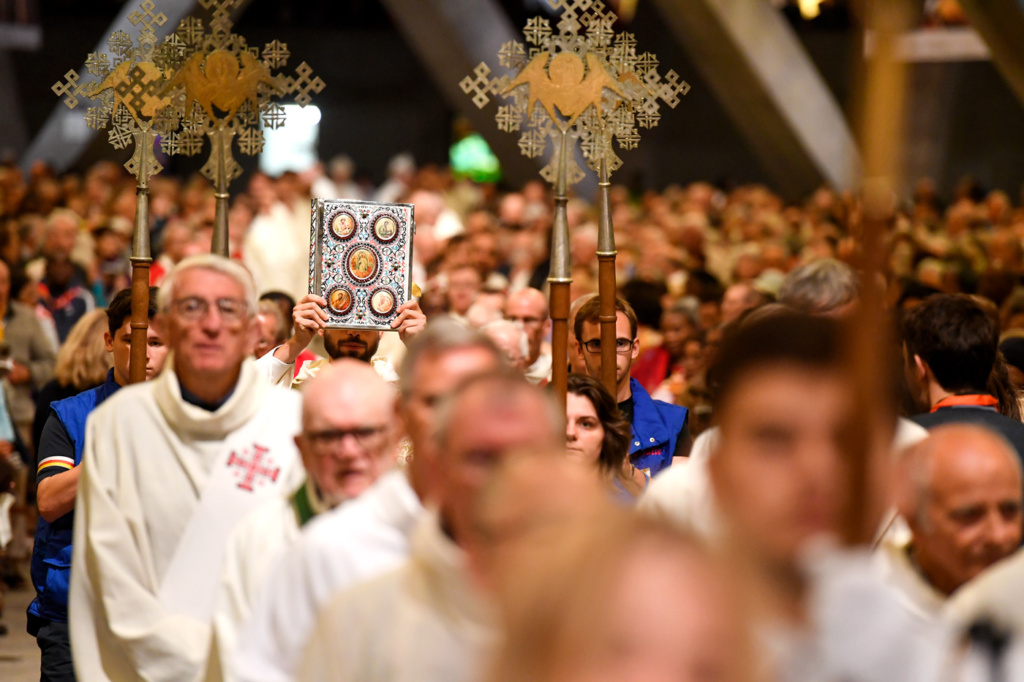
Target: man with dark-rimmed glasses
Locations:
point(660, 430)
point(170, 467)
point(349, 439)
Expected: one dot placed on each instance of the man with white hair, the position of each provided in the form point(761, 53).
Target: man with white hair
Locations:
point(172, 466)
point(961, 498)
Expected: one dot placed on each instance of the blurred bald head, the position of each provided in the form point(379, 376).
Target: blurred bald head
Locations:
point(529, 308)
point(348, 434)
point(962, 499)
point(350, 384)
point(534, 501)
point(480, 425)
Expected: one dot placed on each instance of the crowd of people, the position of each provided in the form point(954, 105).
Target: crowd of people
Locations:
point(421, 507)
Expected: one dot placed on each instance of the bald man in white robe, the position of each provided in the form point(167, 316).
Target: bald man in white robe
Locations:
point(349, 439)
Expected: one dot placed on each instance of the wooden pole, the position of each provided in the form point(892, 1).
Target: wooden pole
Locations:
point(220, 140)
point(606, 281)
point(560, 278)
point(141, 259)
point(882, 116)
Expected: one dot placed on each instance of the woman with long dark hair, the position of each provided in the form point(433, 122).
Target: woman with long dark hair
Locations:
point(597, 433)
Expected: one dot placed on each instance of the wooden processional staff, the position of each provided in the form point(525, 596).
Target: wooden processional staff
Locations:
point(126, 91)
point(192, 84)
point(592, 87)
point(883, 99)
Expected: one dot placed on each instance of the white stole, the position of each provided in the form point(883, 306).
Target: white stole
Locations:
point(252, 463)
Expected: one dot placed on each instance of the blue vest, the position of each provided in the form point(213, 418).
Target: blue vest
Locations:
point(656, 427)
point(51, 557)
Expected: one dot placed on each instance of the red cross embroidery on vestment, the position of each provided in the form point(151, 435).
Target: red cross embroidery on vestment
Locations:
point(258, 466)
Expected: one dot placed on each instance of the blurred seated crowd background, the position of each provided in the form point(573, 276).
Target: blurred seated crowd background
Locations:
point(691, 259)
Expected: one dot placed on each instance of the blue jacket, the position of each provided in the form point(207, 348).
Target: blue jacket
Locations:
point(656, 427)
point(51, 557)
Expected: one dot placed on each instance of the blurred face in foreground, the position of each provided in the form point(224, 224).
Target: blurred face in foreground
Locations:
point(654, 627)
point(436, 375)
point(489, 421)
point(778, 473)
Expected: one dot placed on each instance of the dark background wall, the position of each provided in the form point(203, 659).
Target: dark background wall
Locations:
point(379, 100)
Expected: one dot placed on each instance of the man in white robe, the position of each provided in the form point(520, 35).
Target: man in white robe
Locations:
point(367, 536)
point(169, 469)
point(348, 441)
point(683, 494)
point(961, 496)
point(779, 478)
point(431, 620)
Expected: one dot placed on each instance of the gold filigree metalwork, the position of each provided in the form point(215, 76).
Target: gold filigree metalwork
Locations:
point(221, 90)
point(587, 78)
point(125, 91)
point(593, 88)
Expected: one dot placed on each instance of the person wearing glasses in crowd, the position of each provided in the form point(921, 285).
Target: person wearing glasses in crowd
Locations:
point(660, 431)
point(529, 307)
point(344, 451)
point(172, 466)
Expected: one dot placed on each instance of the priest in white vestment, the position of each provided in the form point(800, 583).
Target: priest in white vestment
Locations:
point(431, 620)
point(961, 495)
point(348, 441)
point(370, 535)
point(170, 467)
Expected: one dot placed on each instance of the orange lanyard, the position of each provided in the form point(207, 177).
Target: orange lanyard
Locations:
point(973, 400)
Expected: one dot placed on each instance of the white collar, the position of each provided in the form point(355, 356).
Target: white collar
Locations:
point(248, 396)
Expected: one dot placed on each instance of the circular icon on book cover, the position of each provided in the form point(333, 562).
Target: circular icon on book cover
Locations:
point(382, 302)
point(362, 264)
point(385, 228)
point(343, 224)
point(340, 300)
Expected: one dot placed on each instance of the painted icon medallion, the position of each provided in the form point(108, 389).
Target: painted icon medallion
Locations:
point(362, 264)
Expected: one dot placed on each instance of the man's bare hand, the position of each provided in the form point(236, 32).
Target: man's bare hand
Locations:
point(410, 320)
point(310, 319)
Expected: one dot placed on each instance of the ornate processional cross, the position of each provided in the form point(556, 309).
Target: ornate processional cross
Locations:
point(221, 90)
point(127, 92)
point(579, 81)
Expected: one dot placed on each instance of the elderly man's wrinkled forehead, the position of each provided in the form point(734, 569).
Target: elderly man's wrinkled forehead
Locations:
point(958, 451)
